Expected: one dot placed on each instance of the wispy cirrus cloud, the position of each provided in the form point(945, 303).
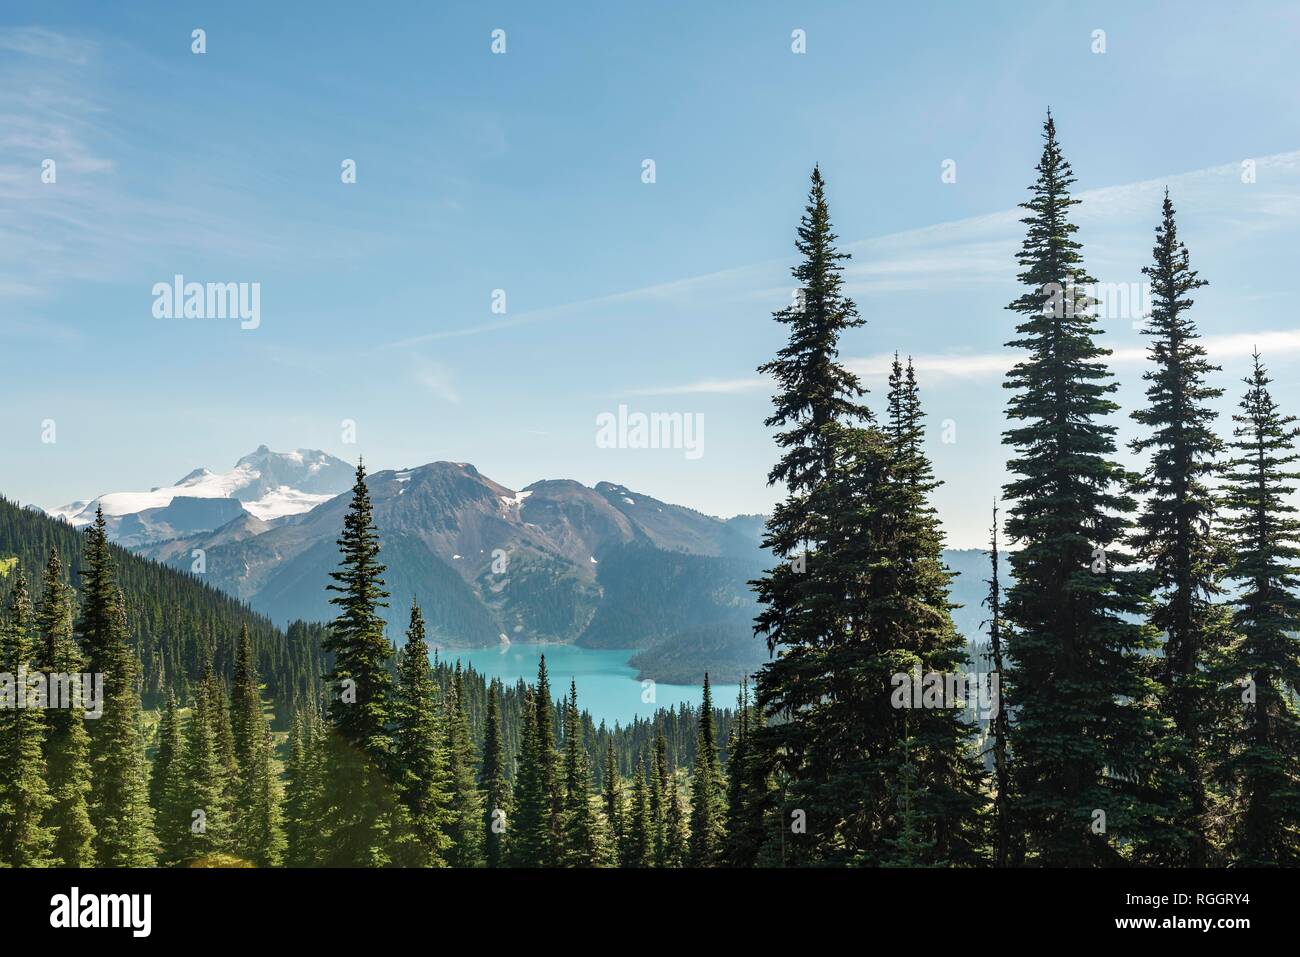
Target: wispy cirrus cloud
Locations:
point(990, 365)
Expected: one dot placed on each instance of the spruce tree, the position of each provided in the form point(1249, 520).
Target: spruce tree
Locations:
point(529, 831)
point(465, 804)
point(827, 686)
point(206, 811)
point(659, 796)
point(119, 807)
point(363, 823)
point(676, 842)
point(582, 846)
point(98, 596)
point(998, 724)
point(749, 790)
point(1083, 728)
point(1175, 531)
point(25, 838)
point(492, 782)
point(167, 790)
point(67, 742)
point(548, 766)
point(258, 819)
point(907, 612)
point(420, 752)
point(638, 846)
point(611, 800)
point(708, 807)
point(1261, 767)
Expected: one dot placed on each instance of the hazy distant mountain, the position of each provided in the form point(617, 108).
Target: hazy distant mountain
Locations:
point(267, 485)
point(556, 561)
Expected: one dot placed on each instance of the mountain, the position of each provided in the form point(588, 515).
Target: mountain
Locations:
point(557, 561)
point(269, 486)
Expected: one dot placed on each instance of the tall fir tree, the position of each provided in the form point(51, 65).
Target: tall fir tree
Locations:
point(98, 595)
point(530, 829)
point(205, 807)
point(582, 839)
point(1084, 726)
point(493, 783)
point(749, 790)
point(659, 794)
point(1261, 767)
point(25, 838)
point(258, 821)
point(465, 804)
point(907, 613)
point(826, 687)
point(611, 799)
point(420, 751)
point(119, 809)
point(67, 741)
point(366, 823)
point(1175, 534)
point(638, 842)
point(548, 765)
point(1003, 838)
point(708, 801)
point(167, 788)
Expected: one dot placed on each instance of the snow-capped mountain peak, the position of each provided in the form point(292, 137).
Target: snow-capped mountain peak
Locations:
point(268, 485)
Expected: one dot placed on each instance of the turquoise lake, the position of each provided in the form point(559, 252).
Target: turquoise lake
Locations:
point(607, 684)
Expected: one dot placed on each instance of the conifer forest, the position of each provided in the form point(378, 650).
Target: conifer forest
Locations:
point(1068, 640)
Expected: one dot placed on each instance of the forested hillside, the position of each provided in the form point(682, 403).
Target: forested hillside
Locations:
point(177, 622)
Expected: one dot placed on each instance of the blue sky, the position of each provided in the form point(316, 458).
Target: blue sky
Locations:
point(522, 172)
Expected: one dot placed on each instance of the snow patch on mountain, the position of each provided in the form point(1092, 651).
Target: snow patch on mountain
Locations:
point(270, 485)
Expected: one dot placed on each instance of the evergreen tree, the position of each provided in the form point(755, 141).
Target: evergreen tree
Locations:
point(548, 766)
point(827, 685)
point(659, 795)
point(206, 810)
point(492, 782)
point(363, 822)
point(707, 795)
point(362, 704)
point(749, 791)
point(295, 805)
point(305, 796)
point(1262, 767)
point(67, 742)
point(1083, 727)
point(1175, 535)
point(907, 611)
point(465, 812)
point(98, 596)
point(611, 801)
point(529, 831)
point(638, 848)
point(676, 842)
point(258, 819)
point(119, 807)
point(582, 846)
point(25, 838)
point(1002, 836)
point(167, 790)
point(420, 751)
